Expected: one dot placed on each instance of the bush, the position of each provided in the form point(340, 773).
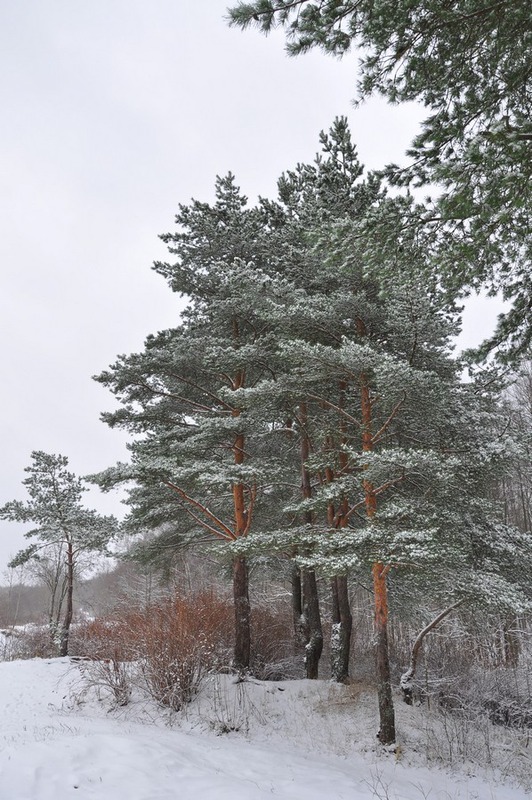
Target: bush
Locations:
point(172, 644)
point(32, 641)
point(181, 639)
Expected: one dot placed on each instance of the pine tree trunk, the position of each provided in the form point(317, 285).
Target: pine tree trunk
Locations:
point(311, 615)
point(342, 623)
point(311, 604)
point(242, 614)
point(301, 636)
point(386, 732)
point(307, 619)
point(242, 653)
point(65, 633)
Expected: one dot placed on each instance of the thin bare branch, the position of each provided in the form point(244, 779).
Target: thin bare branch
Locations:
point(395, 410)
point(204, 524)
point(202, 389)
point(229, 534)
point(340, 410)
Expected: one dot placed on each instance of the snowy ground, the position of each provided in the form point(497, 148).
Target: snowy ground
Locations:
point(238, 741)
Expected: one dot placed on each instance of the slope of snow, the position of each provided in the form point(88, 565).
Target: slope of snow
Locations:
point(292, 740)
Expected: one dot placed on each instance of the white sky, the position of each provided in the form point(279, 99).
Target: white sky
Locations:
point(113, 112)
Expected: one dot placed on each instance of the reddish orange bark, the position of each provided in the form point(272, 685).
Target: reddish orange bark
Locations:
point(242, 516)
point(379, 571)
point(243, 503)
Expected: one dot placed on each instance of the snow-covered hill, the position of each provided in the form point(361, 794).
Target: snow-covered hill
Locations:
point(237, 741)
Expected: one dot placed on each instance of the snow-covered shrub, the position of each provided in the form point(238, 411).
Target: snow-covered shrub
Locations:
point(8, 644)
point(29, 641)
point(102, 649)
point(110, 674)
point(171, 644)
point(229, 706)
point(503, 694)
point(101, 638)
point(182, 638)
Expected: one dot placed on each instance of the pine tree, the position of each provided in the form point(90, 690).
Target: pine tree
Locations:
point(314, 201)
point(186, 394)
point(64, 526)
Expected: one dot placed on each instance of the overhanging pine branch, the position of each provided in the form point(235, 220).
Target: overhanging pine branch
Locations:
point(225, 532)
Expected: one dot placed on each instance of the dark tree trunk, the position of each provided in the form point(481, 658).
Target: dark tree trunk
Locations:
point(311, 603)
point(311, 615)
point(65, 633)
point(242, 614)
point(307, 619)
point(342, 623)
point(386, 732)
point(301, 636)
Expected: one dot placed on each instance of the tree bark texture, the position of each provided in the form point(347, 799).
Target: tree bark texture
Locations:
point(65, 632)
point(342, 623)
point(307, 619)
point(311, 606)
point(242, 614)
point(342, 620)
point(311, 615)
point(300, 634)
point(386, 732)
point(242, 512)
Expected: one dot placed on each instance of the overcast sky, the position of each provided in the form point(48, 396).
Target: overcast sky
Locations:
point(113, 112)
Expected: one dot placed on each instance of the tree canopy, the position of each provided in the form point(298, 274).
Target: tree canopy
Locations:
point(308, 403)
point(468, 63)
